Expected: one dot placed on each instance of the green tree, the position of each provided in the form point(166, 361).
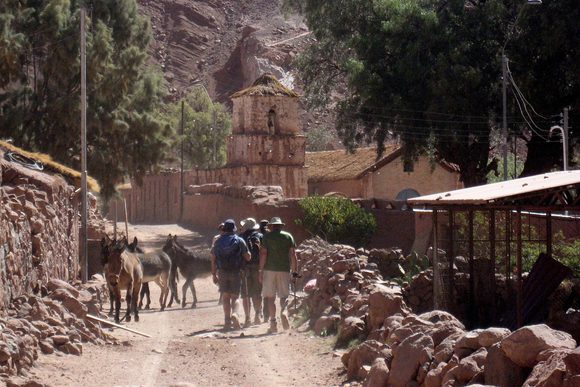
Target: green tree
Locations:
point(427, 71)
point(338, 220)
point(40, 89)
point(206, 126)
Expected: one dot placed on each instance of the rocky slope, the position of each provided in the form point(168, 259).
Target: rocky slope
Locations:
point(222, 44)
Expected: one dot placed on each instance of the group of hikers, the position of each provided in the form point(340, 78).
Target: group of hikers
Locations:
point(258, 263)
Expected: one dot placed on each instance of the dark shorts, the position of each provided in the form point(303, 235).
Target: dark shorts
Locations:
point(251, 286)
point(230, 282)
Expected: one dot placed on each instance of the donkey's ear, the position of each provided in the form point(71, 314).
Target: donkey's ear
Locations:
point(135, 241)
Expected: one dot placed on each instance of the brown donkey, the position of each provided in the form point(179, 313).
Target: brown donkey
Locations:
point(123, 271)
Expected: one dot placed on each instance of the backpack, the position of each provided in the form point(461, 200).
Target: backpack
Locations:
point(228, 252)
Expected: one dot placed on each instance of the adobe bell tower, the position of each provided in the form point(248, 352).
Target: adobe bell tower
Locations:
point(267, 146)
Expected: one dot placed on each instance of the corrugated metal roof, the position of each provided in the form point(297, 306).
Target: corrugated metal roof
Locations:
point(489, 193)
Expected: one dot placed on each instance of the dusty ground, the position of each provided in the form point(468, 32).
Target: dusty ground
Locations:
point(188, 346)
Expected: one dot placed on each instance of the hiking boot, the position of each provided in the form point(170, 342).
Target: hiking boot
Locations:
point(273, 327)
point(235, 321)
point(284, 319)
point(248, 322)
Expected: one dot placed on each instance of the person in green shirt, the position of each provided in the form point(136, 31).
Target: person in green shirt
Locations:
point(277, 261)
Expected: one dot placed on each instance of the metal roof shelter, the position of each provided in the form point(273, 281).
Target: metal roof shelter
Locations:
point(497, 211)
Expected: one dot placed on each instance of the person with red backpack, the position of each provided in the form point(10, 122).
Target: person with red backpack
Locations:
point(251, 287)
point(227, 257)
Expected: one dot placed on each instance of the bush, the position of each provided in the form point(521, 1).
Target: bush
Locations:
point(338, 220)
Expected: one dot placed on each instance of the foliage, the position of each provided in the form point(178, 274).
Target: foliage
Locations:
point(40, 86)
point(318, 139)
point(206, 126)
point(416, 265)
point(428, 71)
point(338, 220)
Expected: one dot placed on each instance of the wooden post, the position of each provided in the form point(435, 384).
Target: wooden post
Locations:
point(126, 219)
point(116, 220)
point(492, 262)
point(549, 233)
point(436, 273)
point(94, 318)
point(508, 254)
point(520, 317)
point(451, 214)
point(471, 307)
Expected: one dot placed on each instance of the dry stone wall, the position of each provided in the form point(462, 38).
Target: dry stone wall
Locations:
point(347, 295)
point(38, 230)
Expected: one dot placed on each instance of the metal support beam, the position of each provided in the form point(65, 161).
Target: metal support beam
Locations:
point(520, 289)
point(451, 256)
point(436, 272)
point(549, 234)
point(492, 262)
point(471, 271)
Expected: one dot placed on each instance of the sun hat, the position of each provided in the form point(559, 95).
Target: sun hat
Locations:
point(264, 222)
point(249, 224)
point(276, 220)
point(229, 225)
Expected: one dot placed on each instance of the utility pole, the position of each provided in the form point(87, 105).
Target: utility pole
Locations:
point(214, 138)
point(182, 183)
point(565, 139)
point(84, 212)
point(504, 114)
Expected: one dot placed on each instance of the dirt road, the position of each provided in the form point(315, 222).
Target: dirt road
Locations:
point(188, 346)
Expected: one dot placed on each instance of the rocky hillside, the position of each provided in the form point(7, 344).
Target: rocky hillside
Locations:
point(222, 44)
point(225, 45)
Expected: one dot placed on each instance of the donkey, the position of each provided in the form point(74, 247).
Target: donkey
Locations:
point(190, 266)
point(132, 247)
point(156, 268)
point(123, 271)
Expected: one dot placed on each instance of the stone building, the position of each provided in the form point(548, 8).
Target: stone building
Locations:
point(267, 146)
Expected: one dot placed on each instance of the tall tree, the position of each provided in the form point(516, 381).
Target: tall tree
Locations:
point(39, 98)
point(206, 126)
point(427, 71)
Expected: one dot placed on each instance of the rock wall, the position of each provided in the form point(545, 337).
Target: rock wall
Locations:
point(390, 345)
point(38, 230)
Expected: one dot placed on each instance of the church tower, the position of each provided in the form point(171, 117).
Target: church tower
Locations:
point(267, 146)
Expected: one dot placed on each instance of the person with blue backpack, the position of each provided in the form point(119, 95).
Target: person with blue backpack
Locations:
point(251, 286)
point(227, 258)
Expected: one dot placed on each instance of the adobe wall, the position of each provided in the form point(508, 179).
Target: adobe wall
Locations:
point(250, 114)
point(351, 188)
point(39, 226)
point(391, 179)
point(247, 149)
point(207, 206)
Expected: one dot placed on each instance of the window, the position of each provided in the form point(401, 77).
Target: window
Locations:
point(408, 166)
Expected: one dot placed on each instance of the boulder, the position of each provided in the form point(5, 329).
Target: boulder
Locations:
point(572, 361)
point(500, 371)
point(326, 325)
point(436, 316)
point(365, 354)
point(444, 350)
point(470, 366)
point(524, 345)
point(54, 284)
point(434, 377)
point(550, 372)
point(408, 356)
point(378, 375)
point(490, 336)
point(350, 328)
point(385, 302)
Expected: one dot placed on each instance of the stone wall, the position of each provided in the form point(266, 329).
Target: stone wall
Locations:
point(248, 149)
point(250, 115)
point(38, 230)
